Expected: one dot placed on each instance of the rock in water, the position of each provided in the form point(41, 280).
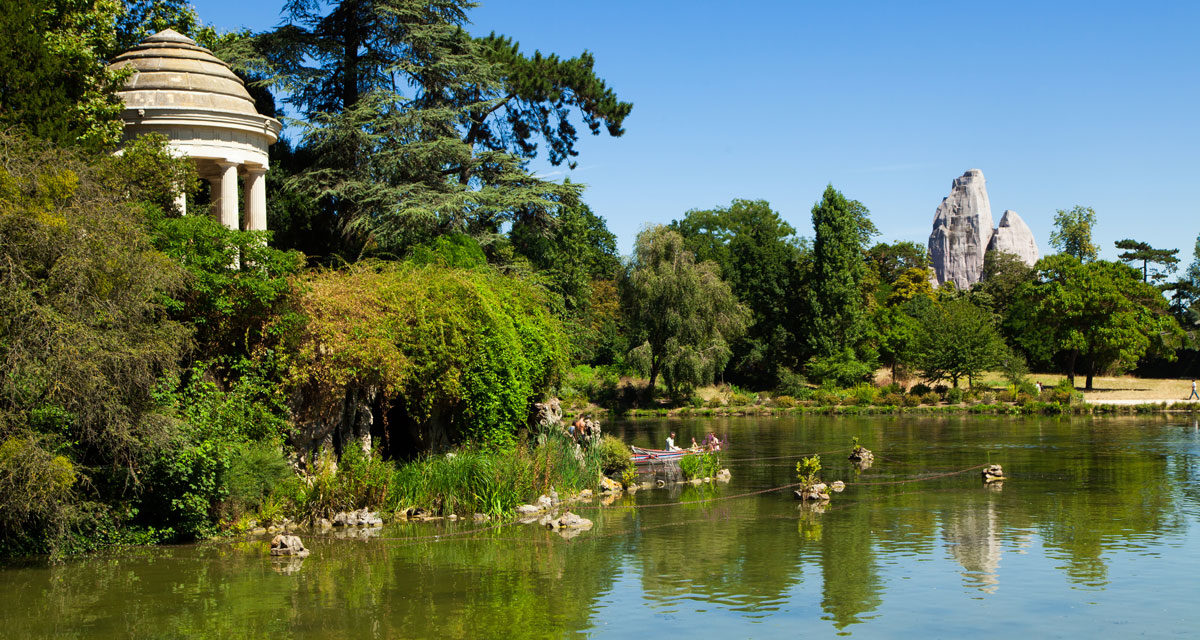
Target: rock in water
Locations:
point(1014, 236)
point(283, 545)
point(962, 230)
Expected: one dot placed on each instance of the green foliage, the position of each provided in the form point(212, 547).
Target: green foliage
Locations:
point(864, 393)
point(1072, 233)
point(84, 336)
point(629, 476)
point(1135, 251)
point(957, 339)
point(954, 396)
point(53, 78)
point(700, 465)
point(615, 456)
point(1098, 314)
point(681, 315)
point(807, 470)
point(836, 301)
point(459, 353)
point(759, 258)
point(899, 259)
point(397, 168)
point(843, 368)
point(257, 473)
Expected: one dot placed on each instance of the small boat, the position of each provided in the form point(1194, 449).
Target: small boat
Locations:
point(648, 455)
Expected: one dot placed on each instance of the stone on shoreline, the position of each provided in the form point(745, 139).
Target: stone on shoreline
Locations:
point(284, 545)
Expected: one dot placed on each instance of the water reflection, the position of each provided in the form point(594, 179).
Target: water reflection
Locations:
point(1084, 502)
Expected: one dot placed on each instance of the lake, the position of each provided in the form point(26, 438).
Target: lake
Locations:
point(1095, 533)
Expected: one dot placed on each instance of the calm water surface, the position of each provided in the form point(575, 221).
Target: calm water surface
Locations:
point(1094, 534)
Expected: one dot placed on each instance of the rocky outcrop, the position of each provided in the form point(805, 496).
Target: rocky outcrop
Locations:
point(1014, 236)
point(283, 545)
point(361, 518)
point(962, 230)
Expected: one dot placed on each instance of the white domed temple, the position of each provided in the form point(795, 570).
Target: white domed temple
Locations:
point(181, 90)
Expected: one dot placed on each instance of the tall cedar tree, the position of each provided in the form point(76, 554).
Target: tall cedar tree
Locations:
point(406, 117)
point(837, 307)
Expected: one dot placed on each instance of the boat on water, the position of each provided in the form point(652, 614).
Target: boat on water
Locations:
point(641, 455)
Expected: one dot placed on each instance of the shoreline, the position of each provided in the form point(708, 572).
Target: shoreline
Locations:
point(1118, 407)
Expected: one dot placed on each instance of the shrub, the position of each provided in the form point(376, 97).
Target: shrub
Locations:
point(629, 476)
point(458, 353)
point(256, 471)
point(807, 469)
point(784, 402)
point(890, 399)
point(614, 455)
point(792, 384)
point(740, 400)
point(714, 403)
point(700, 465)
point(910, 400)
point(931, 398)
point(920, 389)
point(988, 397)
point(955, 396)
point(826, 398)
point(864, 394)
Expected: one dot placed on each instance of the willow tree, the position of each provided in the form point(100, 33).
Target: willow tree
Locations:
point(681, 314)
point(414, 127)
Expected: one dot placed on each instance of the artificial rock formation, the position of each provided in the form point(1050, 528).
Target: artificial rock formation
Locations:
point(963, 233)
point(962, 229)
point(1014, 236)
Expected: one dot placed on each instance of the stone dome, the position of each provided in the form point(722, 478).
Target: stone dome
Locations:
point(183, 92)
point(171, 70)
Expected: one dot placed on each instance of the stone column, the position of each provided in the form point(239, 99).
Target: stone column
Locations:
point(181, 202)
point(228, 209)
point(214, 195)
point(256, 199)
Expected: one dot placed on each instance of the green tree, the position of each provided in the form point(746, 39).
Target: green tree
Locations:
point(957, 339)
point(837, 304)
point(681, 315)
point(897, 332)
point(1135, 251)
point(891, 261)
point(53, 78)
point(1098, 314)
point(758, 255)
point(85, 338)
point(413, 127)
point(1072, 233)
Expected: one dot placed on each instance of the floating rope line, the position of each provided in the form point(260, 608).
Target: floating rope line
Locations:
point(791, 457)
point(600, 507)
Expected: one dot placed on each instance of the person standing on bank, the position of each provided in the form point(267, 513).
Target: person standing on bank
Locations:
point(1194, 391)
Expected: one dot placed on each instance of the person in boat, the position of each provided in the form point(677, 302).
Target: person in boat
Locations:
point(671, 443)
point(711, 442)
point(695, 447)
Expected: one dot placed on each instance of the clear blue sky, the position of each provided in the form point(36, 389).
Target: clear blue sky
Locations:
point(1059, 103)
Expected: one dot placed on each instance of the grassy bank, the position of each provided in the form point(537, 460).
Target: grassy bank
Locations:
point(463, 482)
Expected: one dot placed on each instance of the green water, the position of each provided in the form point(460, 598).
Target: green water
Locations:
point(1094, 534)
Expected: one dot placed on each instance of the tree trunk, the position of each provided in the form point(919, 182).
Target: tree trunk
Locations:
point(650, 388)
point(1091, 372)
point(1071, 367)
